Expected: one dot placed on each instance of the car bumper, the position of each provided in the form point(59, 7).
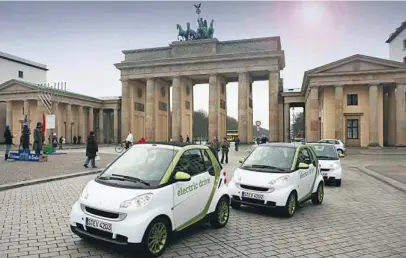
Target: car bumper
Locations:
point(276, 198)
point(332, 174)
point(129, 230)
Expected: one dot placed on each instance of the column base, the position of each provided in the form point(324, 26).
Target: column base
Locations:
point(374, 144)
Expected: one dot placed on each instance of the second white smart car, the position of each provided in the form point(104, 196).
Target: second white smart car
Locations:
point(329, 159)
point(277, 175)
point(150, 191)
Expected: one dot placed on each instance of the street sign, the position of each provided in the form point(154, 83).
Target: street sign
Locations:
point(258, 123)
point(50, 121)
point(257, 128)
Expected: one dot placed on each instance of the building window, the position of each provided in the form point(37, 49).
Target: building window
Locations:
point(139, 107)
point(163, 106)
point(187, 105)
point(352, 129)
point(352, 99)
point(20, 74)
point(250, 103)
point(222, 104)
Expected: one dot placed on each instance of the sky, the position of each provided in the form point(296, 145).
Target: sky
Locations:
point(81, 41)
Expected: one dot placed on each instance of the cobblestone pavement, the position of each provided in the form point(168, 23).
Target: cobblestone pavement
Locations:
point(17, 171)
point(362, 218)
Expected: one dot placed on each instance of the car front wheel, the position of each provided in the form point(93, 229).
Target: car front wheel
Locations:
point(221, 214)
point(155, 238)
point(291, 204)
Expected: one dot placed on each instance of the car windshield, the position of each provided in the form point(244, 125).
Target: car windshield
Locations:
point(272, 159)
point(325, 152)
point(141, 164)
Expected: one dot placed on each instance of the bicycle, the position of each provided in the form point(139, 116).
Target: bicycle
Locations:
point(120, 147)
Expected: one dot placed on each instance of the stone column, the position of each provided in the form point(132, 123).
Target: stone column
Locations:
point(312, 115)
point(176, 108)
point(68, 123)
point(373, 116)
point(244, 81)
point(150, 110)
point(273, 106)
point(400, 115)
point(338, 118)
point(125, 108)
point(82, 132)
point(91, 120)
point(115, 114)
point(9, 115)
point(101, 129)
point(217, 107)
point(286, 121)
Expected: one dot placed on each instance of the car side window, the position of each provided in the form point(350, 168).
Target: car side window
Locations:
point(207, 162)
point(191, 162)
point(337, 142)
point(305, 156)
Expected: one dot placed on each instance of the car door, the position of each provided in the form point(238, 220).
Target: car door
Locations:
point(304, 174)
point(309, 160)
point(190, 197)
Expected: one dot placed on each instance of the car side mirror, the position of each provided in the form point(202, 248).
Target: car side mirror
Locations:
point(303, 165)
point(182, 176)
point(341, 155)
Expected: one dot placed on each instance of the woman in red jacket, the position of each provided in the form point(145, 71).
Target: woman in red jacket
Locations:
point(142, 140)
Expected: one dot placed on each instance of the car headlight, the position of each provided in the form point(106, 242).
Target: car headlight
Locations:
point(138, 202)
point(280, 181)
point(335, 165)
point(84, 194)
point(236, 177)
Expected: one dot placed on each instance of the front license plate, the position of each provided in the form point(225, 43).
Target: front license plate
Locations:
point(93, 223)
point(252, 195)
point(324, 174)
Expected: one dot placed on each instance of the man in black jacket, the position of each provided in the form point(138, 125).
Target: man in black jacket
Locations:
point(91, 150)
point(8, 140)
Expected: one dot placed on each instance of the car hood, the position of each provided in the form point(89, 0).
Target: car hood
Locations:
point(255, 178)
point(109, 197)
point(327, 164)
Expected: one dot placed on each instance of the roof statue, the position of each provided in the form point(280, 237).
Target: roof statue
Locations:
point(204, 31)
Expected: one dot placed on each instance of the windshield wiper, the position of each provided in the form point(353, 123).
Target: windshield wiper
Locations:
point(266, 166)
point(133, 179)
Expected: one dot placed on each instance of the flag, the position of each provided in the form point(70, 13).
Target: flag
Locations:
point(43, 124)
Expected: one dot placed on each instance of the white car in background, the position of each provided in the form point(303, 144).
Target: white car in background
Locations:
point(329, 160)
point(340, 146)
point(277, 175)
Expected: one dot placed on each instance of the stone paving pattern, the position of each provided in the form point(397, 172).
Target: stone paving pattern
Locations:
point(362, 218)
point(17, 171)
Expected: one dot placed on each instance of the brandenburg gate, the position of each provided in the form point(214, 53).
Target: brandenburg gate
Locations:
point(148, 74)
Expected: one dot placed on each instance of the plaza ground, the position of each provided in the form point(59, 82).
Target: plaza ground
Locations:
point(362, 218)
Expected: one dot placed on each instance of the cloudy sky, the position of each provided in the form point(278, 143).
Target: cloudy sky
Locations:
point(80, 41)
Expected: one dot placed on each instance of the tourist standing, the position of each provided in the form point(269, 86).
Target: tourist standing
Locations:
point(215, 147)
point(225, 147)
point(91, 150)
point(237, 143)
point(38, 139)
point(8, 140)
point(187, 139)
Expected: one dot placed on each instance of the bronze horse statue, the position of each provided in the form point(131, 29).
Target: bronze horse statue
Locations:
point(181, 32)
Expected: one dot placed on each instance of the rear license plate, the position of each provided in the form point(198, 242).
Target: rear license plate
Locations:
point(93, 223)
point(252, 195)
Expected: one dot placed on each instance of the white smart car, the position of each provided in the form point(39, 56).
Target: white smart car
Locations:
point(329, 160)
point(150, 191)
point(277, 175)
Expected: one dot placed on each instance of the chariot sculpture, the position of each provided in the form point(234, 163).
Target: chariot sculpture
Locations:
point(204, 31)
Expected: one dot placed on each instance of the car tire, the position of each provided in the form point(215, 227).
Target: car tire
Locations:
point(155, 238)
point(318, 196)
point(339, 151)
point(221, 215)
point(235, 205)
point(338, 182)
point(291, 205)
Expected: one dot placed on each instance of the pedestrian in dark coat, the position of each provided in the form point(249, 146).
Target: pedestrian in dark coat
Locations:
point(225, 147)
point(91, 150)
point(8, 140)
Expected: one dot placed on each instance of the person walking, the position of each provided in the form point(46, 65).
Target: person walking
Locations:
point(187, 139)
point(8, 140)
point(91, 150)
point(225, 147)
point(38, 139)
point(215, 147)
point(237, 143)
point(180, 138)
point(129, 140)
